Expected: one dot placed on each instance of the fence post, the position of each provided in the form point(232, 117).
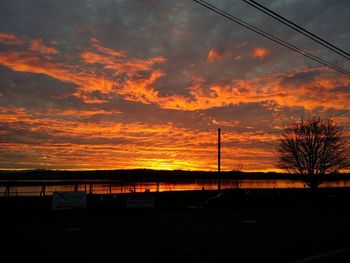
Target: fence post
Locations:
point(43, 188)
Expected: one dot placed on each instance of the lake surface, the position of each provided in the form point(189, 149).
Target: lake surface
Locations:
point(118, 187)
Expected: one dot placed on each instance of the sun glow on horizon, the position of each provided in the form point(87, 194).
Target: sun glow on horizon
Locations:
point(169, 164)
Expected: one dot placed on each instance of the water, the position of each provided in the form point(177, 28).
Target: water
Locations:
point(118, 188)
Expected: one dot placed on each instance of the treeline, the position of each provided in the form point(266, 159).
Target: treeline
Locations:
point(145, 175)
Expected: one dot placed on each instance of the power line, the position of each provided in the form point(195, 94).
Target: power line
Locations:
point(332, 115)
point(341, 113)
point(271, 37)
point(298, 28)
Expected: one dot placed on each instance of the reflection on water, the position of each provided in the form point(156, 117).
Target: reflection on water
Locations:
point(118, 188)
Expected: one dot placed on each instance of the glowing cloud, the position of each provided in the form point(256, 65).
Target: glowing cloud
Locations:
point(215, 55)
point(9, 39)
point(259, 52)
point(38, 46)
point(87, 80)
point(54, 140)
point(107, 51)
point(139, 85)
point(150, 105)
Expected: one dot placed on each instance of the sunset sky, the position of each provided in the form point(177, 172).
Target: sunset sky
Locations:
point(115, 84)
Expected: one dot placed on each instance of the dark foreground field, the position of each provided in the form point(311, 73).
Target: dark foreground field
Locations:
point(240, 226)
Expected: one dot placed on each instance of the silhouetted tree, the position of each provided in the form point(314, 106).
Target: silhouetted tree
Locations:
point(313, 148)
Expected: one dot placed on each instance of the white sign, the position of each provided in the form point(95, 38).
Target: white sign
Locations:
point(68, 200)
point(140, 201)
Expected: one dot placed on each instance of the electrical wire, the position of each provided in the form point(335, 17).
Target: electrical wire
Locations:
point(270, 36)
point(298, 28)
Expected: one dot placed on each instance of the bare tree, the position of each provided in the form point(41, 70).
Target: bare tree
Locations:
point(313, 148)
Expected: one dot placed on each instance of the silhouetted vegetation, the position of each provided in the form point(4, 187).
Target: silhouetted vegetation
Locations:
point(143, 175)
point(313, 148)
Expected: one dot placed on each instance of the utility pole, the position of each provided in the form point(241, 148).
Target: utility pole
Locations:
point(219, 159)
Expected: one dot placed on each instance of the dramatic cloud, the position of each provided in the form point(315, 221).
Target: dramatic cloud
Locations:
point(132, 84)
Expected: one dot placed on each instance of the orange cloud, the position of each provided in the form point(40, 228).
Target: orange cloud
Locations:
point(132, 66)
point(310, 95)
point(38, 46)
point(85, 113)
point(27, 62)
point(262, 89)
point(259, 52)
point(141, 90)
point(111, 145)
point(226, 123)
point(85, 78)
point(94, 58)
point(9, 39)
point(107, 51)
point(215, 55)
point(120, 64)
point(282, 89)
point(73, 139)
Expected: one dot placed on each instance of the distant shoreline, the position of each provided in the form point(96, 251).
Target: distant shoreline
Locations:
point(151, 175)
